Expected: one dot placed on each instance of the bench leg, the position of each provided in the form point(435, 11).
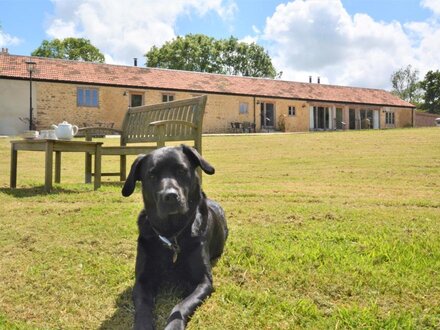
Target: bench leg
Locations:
point(97, 182)
point(123, 168)
point(14, 157)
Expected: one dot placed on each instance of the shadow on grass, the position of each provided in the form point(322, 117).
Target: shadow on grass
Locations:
point(36, 191)
point(56, 190)
point(117, 184)
point(123, 317)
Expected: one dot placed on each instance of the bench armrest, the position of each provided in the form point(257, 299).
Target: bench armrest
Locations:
point(166, 122)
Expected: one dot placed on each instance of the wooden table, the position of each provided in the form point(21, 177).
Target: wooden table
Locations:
point(57, 146)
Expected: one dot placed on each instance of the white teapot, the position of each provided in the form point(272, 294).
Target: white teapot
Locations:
point(65, 131)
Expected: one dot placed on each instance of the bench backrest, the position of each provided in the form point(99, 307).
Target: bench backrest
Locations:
point(137, 125)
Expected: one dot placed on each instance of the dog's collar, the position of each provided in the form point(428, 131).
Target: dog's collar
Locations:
point(168, 242)
point(169, 245)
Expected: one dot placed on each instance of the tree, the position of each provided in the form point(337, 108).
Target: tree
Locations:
point(198, 52)
point(406, 84)
point(431, 87)
point(70, 49)
point(191, 53)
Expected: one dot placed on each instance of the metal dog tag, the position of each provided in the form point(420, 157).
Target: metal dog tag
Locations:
point(166, 242)
point(173, 247)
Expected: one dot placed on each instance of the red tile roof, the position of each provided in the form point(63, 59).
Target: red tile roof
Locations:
point(12, 66)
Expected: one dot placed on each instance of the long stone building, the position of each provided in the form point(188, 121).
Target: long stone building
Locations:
point(85, 93)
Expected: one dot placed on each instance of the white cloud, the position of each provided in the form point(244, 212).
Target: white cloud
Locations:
point(126, 29)
point(8, 40)
point(61, 29)
point(433, 5)
point(249, 39)
point(320, 38)
point(255, 29)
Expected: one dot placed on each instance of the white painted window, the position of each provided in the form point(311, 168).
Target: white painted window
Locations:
point(244, 108)
point(291, 110)
point(390, 118)
point(167, 97)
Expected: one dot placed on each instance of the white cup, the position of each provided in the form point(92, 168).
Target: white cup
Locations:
point(44, 134)
point(51, 134)
point(30, 134)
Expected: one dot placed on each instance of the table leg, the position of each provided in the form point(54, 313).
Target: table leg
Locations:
point(13, 182)
point(58, 166)
point(48, 166)
point(88, 167)
point(97, 182)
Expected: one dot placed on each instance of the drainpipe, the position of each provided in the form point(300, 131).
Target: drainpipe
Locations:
point(255, 111)
point(413, 112)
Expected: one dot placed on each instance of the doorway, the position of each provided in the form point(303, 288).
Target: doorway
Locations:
point(321, 118)
point(352, 119)
point(267, 113)
point(339, 122)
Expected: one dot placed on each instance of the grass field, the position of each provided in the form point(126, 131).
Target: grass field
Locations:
point(327, 231)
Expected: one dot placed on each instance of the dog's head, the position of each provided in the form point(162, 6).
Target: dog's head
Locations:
point(169, 179)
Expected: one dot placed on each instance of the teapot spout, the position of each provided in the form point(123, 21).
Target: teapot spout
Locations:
point(54, 126)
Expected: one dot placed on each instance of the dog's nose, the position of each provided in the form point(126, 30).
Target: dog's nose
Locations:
point(171, 196)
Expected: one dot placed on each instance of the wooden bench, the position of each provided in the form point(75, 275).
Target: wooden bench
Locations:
point(149, 127)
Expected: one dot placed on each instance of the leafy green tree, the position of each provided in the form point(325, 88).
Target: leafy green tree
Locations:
point(431, 87)
point(406, 85)
point(198, 52)
point(191, 53)
point(79, 49)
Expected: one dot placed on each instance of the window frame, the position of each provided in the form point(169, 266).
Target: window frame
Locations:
point(168, 96)
point(245, 106)
point(289, 108)
point(390, 118)
point(87, 97)
point(137, 94)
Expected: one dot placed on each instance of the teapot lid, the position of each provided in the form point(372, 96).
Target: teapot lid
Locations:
point(64, 123)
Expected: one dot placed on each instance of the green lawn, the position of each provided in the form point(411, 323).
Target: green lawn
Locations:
point(327, 230)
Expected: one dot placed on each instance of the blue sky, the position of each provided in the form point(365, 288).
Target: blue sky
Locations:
point(345, 42)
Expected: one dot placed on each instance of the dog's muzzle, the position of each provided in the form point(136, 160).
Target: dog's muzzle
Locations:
point(171, 201)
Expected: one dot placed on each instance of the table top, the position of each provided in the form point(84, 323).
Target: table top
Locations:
point(55, 145)
point(41, 141)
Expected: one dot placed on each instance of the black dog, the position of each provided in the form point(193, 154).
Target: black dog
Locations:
point(181, 232)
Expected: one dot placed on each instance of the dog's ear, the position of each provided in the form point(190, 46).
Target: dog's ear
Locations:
point(197, 159)
point(133, 176)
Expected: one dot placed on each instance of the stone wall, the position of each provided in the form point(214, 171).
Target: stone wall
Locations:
point(424, 119)
point(57, 102)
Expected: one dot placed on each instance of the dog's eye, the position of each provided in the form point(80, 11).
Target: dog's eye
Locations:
point(151, 176)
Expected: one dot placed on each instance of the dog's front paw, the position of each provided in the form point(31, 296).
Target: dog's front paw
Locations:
point(175, 322)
